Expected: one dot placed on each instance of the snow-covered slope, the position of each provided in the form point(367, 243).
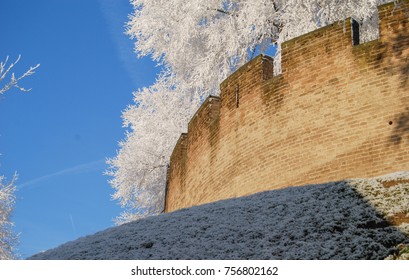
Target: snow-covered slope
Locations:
point(353, 219)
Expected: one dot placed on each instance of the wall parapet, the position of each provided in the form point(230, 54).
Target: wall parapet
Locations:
point(338, 110)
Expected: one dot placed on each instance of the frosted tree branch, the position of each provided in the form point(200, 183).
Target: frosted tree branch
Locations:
point(14, 81)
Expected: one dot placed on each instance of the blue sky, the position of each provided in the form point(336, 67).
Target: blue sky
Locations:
point(57, 136)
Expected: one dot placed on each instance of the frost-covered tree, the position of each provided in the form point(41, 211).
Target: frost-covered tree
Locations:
point(156, 120)
point(7, 237)
point(199, 43)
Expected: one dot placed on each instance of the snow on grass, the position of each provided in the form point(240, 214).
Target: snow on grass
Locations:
point(402, 253)
point(351, 219)
point(389, 194)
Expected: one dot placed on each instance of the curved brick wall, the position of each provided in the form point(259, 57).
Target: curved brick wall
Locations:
point(337, 111)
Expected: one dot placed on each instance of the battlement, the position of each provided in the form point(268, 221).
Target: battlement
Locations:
point(338, 110)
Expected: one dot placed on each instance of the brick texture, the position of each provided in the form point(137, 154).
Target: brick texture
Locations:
point(337, 111)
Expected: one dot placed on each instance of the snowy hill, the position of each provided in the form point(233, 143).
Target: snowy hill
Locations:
point(352, 219)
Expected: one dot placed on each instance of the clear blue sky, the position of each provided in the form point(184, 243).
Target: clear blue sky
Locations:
point(58, 136)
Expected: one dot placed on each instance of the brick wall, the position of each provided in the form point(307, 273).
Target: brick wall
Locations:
point(337, 111)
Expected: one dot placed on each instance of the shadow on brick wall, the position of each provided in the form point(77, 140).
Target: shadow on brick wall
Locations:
point(403, 54)
point(401, 129)
point(396, 55)
point(395, 60)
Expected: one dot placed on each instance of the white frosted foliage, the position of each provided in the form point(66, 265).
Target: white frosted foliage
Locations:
point(139, 170)
point(7, 237)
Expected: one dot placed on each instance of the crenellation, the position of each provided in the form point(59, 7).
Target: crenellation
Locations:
point(338, 110)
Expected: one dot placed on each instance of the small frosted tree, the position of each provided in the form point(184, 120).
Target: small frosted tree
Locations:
point(199, 43)
point(8, 238)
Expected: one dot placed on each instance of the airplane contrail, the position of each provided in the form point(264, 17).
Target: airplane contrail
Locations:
point(73, 225)
point(78, 169)
point(113, 14)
